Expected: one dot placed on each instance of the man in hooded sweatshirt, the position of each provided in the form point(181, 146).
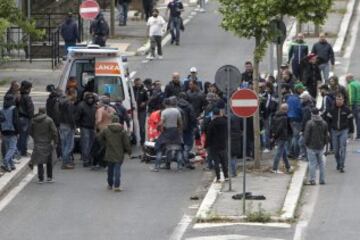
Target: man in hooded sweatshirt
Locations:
point(315, 136)
point(9, 130)
point(44, 133)
point(69, 32)
point(117, 144)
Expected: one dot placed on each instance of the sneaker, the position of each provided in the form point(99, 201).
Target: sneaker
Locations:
point(150, 57)
point(160, 57)
point(5, 169)
point(117, 189)
point(50, 180)
point(16, 161)
point(154, 169)
point(266, 150)
point(290, 170)
point(31, 166)
point(13, 168)
point(322, 183)
point(67, 167)
point(177, 44)
point(226, 179)
point(276, 171)
point(342, 170)
point(301, 157)
point(40, 181)
point(202, 10)
point(109, 187)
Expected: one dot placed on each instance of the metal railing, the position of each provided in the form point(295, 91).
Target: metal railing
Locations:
point(55, 48)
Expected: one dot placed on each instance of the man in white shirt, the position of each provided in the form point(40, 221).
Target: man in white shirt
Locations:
point(155, 25)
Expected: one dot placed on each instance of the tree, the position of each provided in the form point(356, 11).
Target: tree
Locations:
point(251, 19)
point(11, 15)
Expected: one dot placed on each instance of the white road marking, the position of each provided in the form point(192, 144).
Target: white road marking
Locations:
point(181, 228)
point(245, 103)
point(217, 225)
point(231, 237)
point(12, 194)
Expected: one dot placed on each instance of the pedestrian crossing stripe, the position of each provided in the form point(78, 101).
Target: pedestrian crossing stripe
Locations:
point(231, 237)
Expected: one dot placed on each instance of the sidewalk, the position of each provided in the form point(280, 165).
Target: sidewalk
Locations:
point(282, 191)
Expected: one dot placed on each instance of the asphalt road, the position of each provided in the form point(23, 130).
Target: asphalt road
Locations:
point(78, 205)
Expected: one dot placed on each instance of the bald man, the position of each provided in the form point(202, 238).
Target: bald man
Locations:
point(325, 54)
point(174, 87)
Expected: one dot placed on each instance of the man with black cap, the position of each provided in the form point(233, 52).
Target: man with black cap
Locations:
point(315, 137)
point(216, 140)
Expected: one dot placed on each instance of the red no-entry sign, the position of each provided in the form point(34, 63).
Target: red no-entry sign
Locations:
point(89, 9)
point(244, 103)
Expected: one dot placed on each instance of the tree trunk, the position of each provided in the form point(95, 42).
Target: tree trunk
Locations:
point(317, 30)
point(298, 27)
point(256, 118)
point(279, 58)
point(112, 18)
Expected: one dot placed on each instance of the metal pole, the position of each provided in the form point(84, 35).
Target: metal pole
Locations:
point(29, 16)
point(244, 165)
point(229, 128)
point(112, 18)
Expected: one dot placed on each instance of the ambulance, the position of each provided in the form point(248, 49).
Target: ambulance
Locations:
point(102, 71)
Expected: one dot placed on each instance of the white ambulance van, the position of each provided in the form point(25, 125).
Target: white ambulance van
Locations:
point(103, 71)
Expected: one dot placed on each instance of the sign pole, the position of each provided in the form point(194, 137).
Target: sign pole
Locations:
point(229, 127)
point(244, 164)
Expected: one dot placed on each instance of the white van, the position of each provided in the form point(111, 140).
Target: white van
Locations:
point(103, 71)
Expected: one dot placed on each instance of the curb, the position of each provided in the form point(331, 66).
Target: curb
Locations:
point(10, 180)
point(166, 38)
point(294, 192)
point(344, 27)
point(289, 207)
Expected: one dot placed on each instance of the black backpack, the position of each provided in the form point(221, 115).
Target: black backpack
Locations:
point(102, 27)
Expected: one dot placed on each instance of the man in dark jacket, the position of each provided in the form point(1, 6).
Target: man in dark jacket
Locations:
point(196, 98)
point(247, 75)
point(99, 30)
point(236, 142)
point(26, 113)
point(117, 144)
point(193, 76)
point(9, 130)
point(156, 99)
point(69, 32)
point(174, 87)
point(44, 133)
point(216, 140)
point(281, 132)
point(189, 124)
point(341, 123)
point(336, 88)
point(141, 99)
point(297, 52)
point(310, 74)
point(85, 118)
point(315, 135)
point(67, 127)
point(325, 54)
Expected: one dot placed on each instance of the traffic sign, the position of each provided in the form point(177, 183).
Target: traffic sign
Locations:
point(228, 75)
point(89, 9)
point(244, 103)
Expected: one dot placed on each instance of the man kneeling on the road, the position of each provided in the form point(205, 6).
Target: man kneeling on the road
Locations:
point(116, 143)
point(44, 132)
point(315, 137)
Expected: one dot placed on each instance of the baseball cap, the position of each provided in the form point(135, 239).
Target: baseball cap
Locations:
point(193, 69)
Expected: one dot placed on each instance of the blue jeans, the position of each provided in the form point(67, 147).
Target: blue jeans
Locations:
point(209, 159)
point(10, 150)
point(302, 146)
point(169, 156)
point(266, 134)
point(175, 23)
point(315, 158)
point(67, 45)
point(280, 152)
point(23, 135)
point(339, 139)
point(123, 13)
point(114, 174)
point(87, 139)
point(325, 69)
point(356, 112)
point(233, 166)
point(67, 135)
point(188, 138)
point(294, 144)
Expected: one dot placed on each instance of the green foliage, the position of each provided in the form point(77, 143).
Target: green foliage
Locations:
point(251, 19)
point(258, 216)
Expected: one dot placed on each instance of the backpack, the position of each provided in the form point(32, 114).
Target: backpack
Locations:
point(7, 119)
point(101, 27)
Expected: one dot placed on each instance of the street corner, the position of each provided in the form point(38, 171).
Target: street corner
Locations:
point(269, 198)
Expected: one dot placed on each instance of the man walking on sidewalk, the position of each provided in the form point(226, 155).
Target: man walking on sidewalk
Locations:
point(44, 133)
point(216, 140)
point(123, 8)
point(354, 100)
point(297, 52)
point(315, 137)
point(341, 122)
point(155, 25)
point(175, 22)
point(69, 32)
point(325, 53)
point(281, 132)
point(9, 130)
